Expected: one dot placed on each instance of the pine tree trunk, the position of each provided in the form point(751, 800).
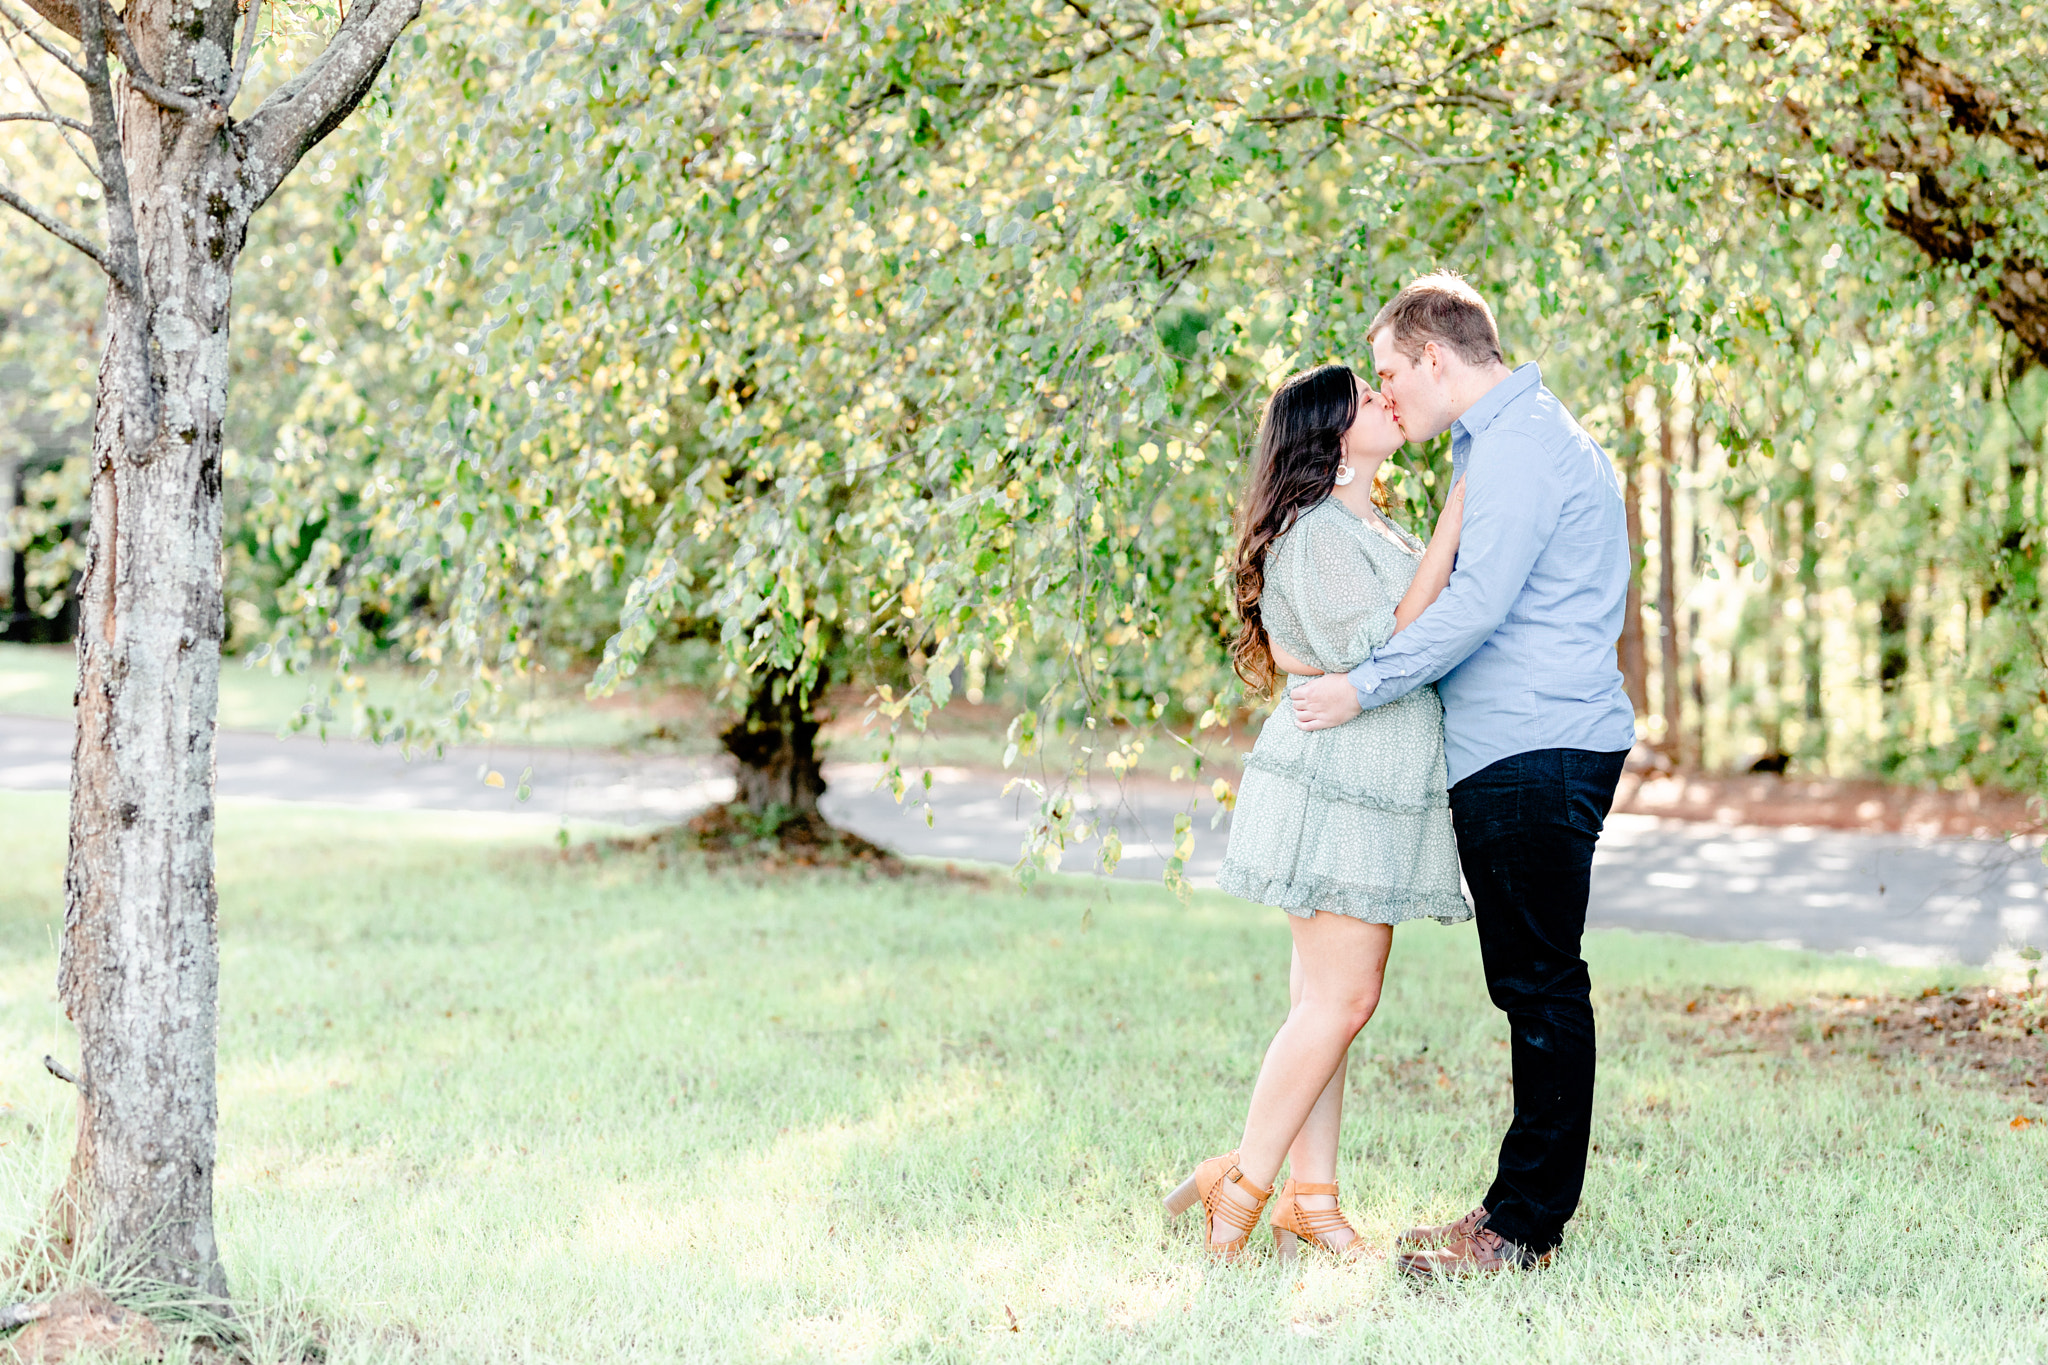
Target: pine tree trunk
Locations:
point(774, 748)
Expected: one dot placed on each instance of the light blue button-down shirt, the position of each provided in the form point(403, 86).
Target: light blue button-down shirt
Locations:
point(1521, 641)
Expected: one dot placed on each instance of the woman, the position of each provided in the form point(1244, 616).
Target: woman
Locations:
point(1347, 829)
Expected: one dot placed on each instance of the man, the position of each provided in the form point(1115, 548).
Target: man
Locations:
point(1536, 725)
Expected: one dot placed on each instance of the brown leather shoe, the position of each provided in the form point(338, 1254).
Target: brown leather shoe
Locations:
point(1426, 1239)
point(1481, 1253)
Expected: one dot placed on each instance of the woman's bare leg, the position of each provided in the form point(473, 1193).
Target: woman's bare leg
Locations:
point(1339, 963)
point(1312, 1160)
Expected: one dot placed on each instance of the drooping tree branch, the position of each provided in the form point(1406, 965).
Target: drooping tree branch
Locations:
point(1971, 107)
point(1941, 212)
point(312, 104)
point(2012, 285)
point(1944, 222)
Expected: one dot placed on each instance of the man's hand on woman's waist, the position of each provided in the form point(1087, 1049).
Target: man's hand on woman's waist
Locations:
point(1325, 702)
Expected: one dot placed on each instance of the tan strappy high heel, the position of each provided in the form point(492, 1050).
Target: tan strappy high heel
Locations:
point(1291, 1222)
point(1206, 1184)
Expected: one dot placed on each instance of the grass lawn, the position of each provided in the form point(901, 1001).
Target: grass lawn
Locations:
point(480, 1103)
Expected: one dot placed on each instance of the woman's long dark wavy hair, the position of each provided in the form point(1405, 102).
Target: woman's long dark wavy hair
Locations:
point(1293, 468)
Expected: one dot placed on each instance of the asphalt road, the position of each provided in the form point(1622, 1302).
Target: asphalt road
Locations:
point(1902, 898)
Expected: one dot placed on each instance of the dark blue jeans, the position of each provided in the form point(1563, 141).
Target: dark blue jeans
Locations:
point(1526, 828)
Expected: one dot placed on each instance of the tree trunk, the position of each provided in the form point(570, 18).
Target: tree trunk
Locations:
point(1772, 713)
point(1699, 565)
point(140, 961)
point(1633, 657)
point(774, 748)
point(1669, 663)
point(1814, 735)
point(1895, 632)
point(140, 955)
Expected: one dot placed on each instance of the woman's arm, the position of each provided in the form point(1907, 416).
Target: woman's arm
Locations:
point(1435, 570)
point(1287, 663)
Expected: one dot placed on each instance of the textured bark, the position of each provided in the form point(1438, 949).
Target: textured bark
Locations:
point(140, 965)
point(774, 749)
point(140, 961)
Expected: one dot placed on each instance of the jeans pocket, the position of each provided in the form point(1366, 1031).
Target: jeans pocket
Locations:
point(1588, 781)
point(1489, 805)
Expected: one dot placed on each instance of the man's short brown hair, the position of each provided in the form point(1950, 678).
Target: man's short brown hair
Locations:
point(1440, 307)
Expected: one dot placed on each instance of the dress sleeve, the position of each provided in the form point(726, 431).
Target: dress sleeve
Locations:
point(1337, 609)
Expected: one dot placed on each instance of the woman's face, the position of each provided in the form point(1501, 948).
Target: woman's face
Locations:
point(1373, 434)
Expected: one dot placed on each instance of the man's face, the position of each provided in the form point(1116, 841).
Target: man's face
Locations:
point(1414, 387)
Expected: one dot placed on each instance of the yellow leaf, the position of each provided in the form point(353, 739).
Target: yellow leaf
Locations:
point(494, 778)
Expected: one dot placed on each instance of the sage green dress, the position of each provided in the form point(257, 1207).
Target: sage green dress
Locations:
point(1355, 819)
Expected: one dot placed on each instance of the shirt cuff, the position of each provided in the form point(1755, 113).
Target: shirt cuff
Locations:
point(1366, 680)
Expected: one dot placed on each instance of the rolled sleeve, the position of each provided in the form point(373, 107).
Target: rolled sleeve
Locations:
point(1511, 510)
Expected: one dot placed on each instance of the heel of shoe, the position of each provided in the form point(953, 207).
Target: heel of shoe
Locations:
point(1285, 1245)
point(1183, 1198)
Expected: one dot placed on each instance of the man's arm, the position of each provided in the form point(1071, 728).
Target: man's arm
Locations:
point(1511, 509)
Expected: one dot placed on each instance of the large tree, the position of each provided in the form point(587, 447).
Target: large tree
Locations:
point(149, 110)
point(915, 343)
point(895, 341)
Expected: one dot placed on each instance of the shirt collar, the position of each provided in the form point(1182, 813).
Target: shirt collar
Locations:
point(1481, 414)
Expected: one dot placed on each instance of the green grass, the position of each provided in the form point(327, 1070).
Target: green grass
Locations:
point(482, 1104)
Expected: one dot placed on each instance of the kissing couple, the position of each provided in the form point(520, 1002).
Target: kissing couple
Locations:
point(1454, 704)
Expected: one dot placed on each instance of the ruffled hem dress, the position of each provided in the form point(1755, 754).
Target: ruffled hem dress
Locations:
point(1356, 819)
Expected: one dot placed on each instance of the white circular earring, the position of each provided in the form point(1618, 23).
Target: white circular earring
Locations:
point(1345, 474)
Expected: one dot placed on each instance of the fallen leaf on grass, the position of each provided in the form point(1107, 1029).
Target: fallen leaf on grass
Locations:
point(2022, 1121)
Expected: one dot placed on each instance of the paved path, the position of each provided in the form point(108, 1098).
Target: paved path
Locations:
point(1903, 898)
